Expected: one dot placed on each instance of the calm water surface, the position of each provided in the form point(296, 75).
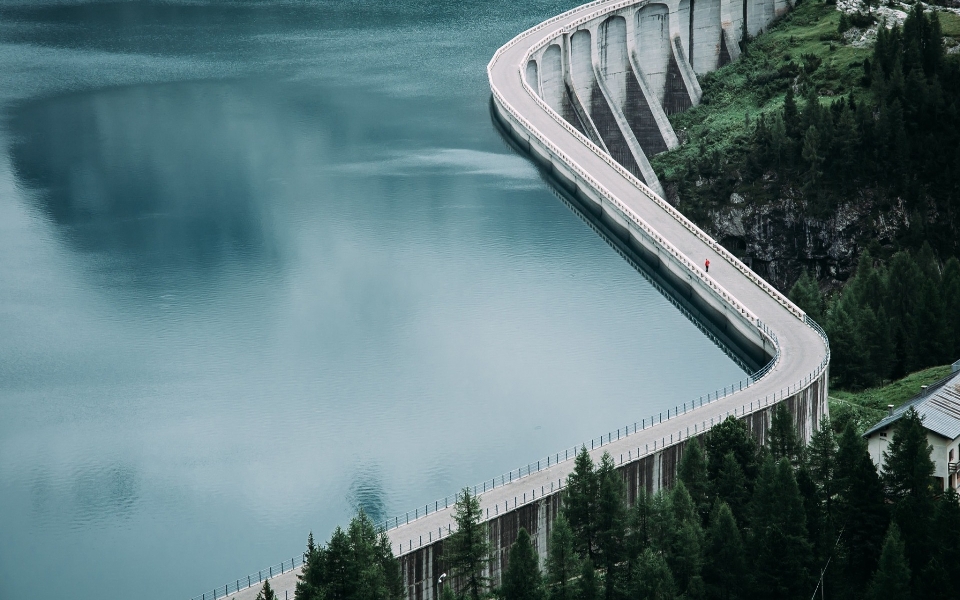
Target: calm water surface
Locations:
point(263, 263)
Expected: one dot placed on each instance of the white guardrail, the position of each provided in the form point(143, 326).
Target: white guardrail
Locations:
point(626, 212)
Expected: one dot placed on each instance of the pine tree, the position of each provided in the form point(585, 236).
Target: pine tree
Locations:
point(562, 561)
point(685, 557)
point(466, 551)
point(892, 579)
point(266, 592)
point(725, 567)
point(805, 293)
point(780, 549)
point(731, 486)
point(311, 579)
point(609, 516)
point(822, 463)
point(653, 580)
point(908, 476)
point(579, 502)
point(731, 435)
point(522, 580)
point(861, 512)
point(639, 534)
point(936, 580)
point(587, 588)
point(783, 440)
point(951, 295)
point(692, 471)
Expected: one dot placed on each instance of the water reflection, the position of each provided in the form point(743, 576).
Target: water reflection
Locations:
point(170, 177)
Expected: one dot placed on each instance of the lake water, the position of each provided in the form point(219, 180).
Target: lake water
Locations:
point(262, 263)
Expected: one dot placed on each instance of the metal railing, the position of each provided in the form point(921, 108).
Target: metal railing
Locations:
point(955, 367)
point(519, 474)
point(251, 580)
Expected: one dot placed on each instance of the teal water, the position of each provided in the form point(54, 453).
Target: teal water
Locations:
point(262, 263)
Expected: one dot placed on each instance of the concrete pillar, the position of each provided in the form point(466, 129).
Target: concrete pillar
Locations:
point(731, 20)
point(652, 100)
point(679, 45)
point(532, 77)
point(706, 35)
point(652, 43)
point(551, 78)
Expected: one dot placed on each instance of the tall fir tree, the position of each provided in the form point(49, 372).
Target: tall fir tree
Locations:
point(686, 550)
point(782, 437)
point(861, 513)
point(731, 435)
point(908, 476)
point(608, 521)
point(266, 592)
point(692, 471)
point(725, 567)
point(587, 586)
point(563, 563)
point(467, 550)
point(805, 293)
point(522, 580)
point(731, 486)
point(653, 580)
point(892, 579)
point(579, 502)
point(780, 550)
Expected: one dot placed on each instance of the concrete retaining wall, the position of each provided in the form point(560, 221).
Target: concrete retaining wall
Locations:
point(658, 470)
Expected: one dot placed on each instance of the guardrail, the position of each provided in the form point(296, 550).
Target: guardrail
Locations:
point(955, 367)
point(701, 428)
point(640, 186)
point(251, 580)
point(626, 212)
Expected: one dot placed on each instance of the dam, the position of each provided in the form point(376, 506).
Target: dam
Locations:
point(587, 95)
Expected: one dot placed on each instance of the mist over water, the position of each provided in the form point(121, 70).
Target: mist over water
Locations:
point(262, 263)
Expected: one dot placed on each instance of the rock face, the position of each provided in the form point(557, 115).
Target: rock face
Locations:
point(780, 239)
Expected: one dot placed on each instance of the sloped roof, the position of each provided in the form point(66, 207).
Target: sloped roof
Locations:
point(938, 406)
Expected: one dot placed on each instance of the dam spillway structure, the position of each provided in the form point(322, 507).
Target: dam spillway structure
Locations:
point(587, 95)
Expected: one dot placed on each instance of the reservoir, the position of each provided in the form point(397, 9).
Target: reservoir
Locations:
point(263, 263)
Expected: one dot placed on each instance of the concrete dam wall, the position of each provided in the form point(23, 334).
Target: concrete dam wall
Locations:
point(587, 94)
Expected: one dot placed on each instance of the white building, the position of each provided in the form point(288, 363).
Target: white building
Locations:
point(939, 407)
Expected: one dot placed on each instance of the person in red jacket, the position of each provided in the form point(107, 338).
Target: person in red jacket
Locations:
point(706, 265)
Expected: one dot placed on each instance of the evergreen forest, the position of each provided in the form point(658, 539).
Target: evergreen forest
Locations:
point(778, 521)
point(839, 131)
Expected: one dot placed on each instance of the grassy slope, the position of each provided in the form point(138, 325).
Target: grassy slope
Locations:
point(869, 406)
point(758, 82)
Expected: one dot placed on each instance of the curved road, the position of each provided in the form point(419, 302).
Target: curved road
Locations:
point(804, 354)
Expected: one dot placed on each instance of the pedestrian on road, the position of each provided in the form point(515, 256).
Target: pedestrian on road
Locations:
point(706, 265)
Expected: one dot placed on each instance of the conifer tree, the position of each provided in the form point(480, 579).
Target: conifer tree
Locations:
point(563, 564)
point(641, 515)
point(266, 592)
point(821, 463)
point(781, 551)
point(908, 476)
point(310, 581)
point(936, 582)
point(805, 293)
point(609, 516)
point(653, 580)
point(579, 502)
point(725, 567)
point(731, 435)
point(692, 471)
point(951, 296)
point(861, 511)
point(892, 579)
point(522, 580)
point(731, 486)
point(685, 557)
point(783, 440)
point(467, 550)
point(587, 588)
